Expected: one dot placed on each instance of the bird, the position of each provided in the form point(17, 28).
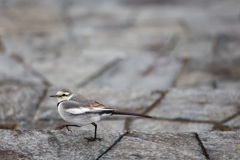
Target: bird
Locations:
point(80, 111)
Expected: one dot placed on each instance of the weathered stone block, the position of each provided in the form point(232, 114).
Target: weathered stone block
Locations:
point(156, 146)
point(19, 102)
point(11, 71)
point(221, 145)
point(53, 144)
point(204, 105)
point(140, 70)
point(151, 125)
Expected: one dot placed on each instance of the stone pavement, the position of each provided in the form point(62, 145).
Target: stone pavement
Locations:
point(177, 61)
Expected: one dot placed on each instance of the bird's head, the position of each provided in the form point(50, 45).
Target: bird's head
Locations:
point(63, 95)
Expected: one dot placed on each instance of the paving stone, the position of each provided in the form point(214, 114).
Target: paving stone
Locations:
point(37, 17)
point(193, 47)
point(221, 145)
point(234, 85)
point(51, 55)
point(151, 125)
point(132, 100)
point(140, 70)
point(209, 71)
point(11, 71)
point(19, 102)
point(53, 144)
point(150, 39)
point(103, 16)
point(197, 72)
point(234, 123)
point(198, 104)
point(156, 146)
point(227, 46)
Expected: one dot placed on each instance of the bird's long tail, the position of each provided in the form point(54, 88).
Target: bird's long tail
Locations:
point(131, 114)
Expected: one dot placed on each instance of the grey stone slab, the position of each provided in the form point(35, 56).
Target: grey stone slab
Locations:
point(198, 104)
point(221, 145)
point(156, 146)
point(102, 16)
point(150, 39)
point(209, 71)
point(19, 102)
point(234, 123)
point(53, 144)
point(208, 19)
point(56, 54)
point(37, 17)
point(11, 71)
point(232, 84)
point(132, 100)
point(193, 47)
point(227, 46)
point(151, 125)
point(140, 70)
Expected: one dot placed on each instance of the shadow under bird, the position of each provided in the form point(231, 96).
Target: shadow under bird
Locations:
point(79, 111)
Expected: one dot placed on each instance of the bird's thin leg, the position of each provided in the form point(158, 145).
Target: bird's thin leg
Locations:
point(95, 134)
point(63, 126)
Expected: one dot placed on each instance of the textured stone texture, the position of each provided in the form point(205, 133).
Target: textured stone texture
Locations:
point(156, 146)
point(56, 54)
point(234, 123)
point(39, 16)
point(130, 40)
point(140, 70)
point(134, 100)
point(151, 125)
point(221, 145)
point(205, 105)
point(196, 47)
point(197, 73)
point(52, 144)
point(11, 71)
point(18, 103)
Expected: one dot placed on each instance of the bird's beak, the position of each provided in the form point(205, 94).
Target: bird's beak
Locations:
point(54, 96)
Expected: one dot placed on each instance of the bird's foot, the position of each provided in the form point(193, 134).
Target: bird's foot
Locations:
point(90, 139)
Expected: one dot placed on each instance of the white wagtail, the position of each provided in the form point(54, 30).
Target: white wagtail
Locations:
point(79, 111)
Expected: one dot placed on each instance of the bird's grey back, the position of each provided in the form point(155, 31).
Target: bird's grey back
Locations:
point(83, 101)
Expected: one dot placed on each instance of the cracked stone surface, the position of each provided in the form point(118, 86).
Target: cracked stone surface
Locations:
point(19, 103)
point(221, 145)
point(151, 125)
point(52, 144)
point(132, 100)
point(140, 70)
point(156, 146)
point(11, 71)
point(205, 105)
point(43, 52)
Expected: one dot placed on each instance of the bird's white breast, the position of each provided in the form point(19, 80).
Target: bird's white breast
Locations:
point(76, 117)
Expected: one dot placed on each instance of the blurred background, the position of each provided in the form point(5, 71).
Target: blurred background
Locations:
point(178, 61)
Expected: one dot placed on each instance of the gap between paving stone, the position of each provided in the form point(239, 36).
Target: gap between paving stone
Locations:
point(202, 146)
point(162, 93)
point(184, 64)
point(118, 140)
point(100, 72)
point(41, 99)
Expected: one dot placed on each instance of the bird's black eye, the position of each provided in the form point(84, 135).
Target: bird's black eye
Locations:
point(64, 95)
